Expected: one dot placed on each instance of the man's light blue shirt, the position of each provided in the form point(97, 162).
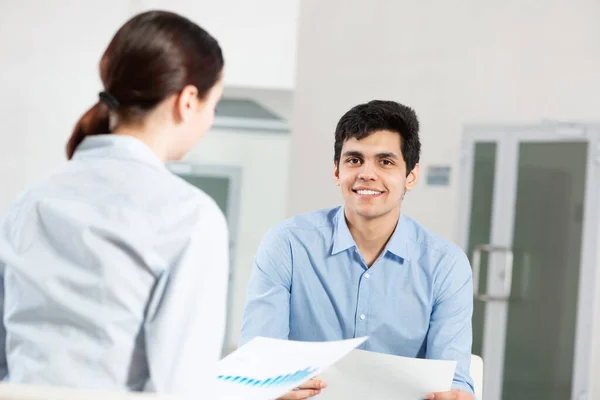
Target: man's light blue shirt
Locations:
point(310, 283)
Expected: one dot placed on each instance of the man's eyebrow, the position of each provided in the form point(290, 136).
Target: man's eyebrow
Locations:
point(388, 155)
point(352, 153)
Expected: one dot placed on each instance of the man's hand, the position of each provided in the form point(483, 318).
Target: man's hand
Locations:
point(454, 394)
point(307, 389)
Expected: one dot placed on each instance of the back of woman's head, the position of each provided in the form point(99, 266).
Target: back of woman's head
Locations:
point(154, 55)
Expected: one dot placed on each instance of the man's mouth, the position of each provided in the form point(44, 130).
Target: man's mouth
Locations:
point(367, 192)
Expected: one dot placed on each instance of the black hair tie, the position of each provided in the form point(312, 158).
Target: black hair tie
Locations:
point(110, 100)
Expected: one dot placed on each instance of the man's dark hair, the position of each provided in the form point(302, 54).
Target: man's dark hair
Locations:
point(378, 115)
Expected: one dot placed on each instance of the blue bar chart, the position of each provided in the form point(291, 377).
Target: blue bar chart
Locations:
point(271, 382)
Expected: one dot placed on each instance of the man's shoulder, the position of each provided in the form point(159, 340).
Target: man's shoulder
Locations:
point(303, 227)
point(428, 243)
point(312, 231)
point(318, 220)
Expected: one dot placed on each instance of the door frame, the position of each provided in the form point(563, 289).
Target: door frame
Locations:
point(234, 175)
point(507, 139)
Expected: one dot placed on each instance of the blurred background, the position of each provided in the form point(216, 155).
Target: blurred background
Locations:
point(508, 94)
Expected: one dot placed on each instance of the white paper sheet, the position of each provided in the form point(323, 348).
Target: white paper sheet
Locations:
point(367, 375)
point(266, 368)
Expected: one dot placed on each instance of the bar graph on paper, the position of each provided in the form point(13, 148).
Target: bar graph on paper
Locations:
point(271, 382)
point(266, 368)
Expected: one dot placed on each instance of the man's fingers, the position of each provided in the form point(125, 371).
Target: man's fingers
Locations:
point(452, 395)
point(313, 384)
point(308, 389)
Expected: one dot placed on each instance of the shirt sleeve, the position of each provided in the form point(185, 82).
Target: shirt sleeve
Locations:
point(185, 326)
point(450, 332)
point(267, 310)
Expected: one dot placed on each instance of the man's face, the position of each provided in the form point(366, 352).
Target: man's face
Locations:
point(372, 175)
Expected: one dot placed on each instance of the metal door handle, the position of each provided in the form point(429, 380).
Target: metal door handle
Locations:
point(489, 248)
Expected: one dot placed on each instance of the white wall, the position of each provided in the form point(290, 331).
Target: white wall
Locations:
point(455, 62)
point(49, 54)
point(258, 37)
point(263, 158)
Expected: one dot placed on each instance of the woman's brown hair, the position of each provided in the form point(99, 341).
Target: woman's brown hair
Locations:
point(153, 56)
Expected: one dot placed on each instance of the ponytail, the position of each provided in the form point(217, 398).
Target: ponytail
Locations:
point(94, 122)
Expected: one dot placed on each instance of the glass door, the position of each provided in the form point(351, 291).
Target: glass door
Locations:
point(530, 236)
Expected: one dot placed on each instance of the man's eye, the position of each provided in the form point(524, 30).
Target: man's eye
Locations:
point(386, 162)
point(353, 161)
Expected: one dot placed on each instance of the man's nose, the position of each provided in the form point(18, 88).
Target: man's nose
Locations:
point(367, 172)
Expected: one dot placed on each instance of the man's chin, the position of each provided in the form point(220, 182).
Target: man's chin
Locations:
point(369, 213)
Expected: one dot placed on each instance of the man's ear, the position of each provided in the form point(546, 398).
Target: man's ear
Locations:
point(412, 178)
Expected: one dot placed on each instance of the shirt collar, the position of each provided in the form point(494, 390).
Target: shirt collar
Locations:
point(343, 240)
point(116, 146)
point(398, 243)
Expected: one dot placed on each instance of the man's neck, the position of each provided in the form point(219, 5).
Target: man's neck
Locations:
point(372, 234)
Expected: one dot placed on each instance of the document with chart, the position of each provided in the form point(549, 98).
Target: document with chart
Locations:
point(366, 375)
point(266, 368)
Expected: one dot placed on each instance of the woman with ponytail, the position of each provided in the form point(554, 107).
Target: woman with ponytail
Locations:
point(113, 271)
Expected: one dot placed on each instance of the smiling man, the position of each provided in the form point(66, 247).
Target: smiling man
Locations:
point(365, 268)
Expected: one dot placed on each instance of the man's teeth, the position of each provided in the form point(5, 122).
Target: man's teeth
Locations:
point(367, 192)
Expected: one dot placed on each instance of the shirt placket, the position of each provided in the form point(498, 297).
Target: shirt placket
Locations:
point(362, 304)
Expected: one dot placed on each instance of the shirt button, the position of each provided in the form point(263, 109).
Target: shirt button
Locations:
point(362, 316)
point(367, 275)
